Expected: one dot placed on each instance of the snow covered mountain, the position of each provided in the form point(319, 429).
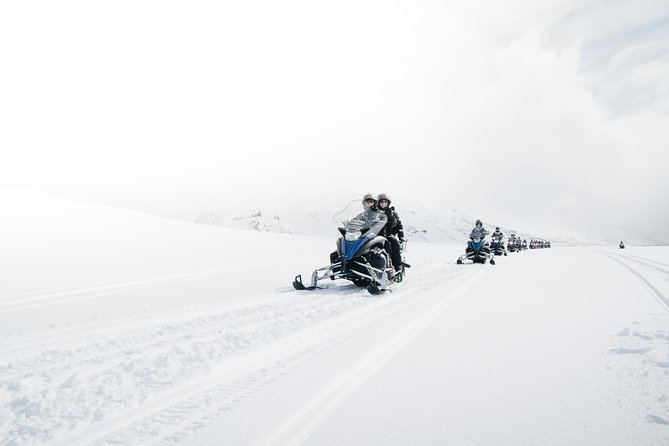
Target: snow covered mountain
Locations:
point(421, 224)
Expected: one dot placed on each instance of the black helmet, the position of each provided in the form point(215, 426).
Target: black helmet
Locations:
point(383, 197)
point(479, 222)
point(497, 228)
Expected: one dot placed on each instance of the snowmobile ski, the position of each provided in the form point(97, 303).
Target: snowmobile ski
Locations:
point(298, 285)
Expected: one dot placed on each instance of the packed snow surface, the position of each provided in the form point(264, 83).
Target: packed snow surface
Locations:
point(122, 328)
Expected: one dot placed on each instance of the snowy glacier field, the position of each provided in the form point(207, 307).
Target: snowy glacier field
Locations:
point(121, 328)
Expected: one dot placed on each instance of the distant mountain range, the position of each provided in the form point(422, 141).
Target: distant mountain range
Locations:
point(420, 224)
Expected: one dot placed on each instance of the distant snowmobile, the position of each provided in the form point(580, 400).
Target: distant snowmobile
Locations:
point(511, 244)
point(622, 245)
point(497, 247)
point(477, 251)
point(360, 257)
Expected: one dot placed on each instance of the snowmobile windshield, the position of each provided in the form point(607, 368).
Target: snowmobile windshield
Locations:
point(355, 218)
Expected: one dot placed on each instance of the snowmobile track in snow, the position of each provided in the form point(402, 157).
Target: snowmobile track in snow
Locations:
point(141, 334)
point(654, 291)
point(295, 430)
point(647, 262)
point(25, 301)
point(138, 372)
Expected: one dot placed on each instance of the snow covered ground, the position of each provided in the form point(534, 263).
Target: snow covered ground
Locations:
point(122, 328)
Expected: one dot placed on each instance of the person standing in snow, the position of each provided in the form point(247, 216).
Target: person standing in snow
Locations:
point(393, 231)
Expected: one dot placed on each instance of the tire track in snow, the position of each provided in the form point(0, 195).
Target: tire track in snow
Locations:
point(295, 430)
point(73, 294)
point(227, 395)
point(303, 337)
point(627, 254)
point(63, 335)
point(146, 335)
point(188, 415)
point(144, 360)
point(646, 262)
point(51, 296)
point(104, 352)
point(654, 291)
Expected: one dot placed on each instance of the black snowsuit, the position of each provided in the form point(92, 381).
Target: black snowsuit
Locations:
point(391, 231)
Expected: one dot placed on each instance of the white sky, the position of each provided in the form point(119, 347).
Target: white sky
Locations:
point(556, 111)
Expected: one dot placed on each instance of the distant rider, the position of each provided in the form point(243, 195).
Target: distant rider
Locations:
point(497, 238)
point(393, 231)
point(478, 231)
point(511, 243)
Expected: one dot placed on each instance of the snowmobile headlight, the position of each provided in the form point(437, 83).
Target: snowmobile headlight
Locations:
point(353, 236)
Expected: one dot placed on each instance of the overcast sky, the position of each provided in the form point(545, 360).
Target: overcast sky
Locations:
point(555, 111)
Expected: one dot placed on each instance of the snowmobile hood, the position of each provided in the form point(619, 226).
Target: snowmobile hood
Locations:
point(477, 243)
point(349, 248)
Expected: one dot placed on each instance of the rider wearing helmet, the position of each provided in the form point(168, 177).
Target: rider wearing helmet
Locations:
point(478, 231)
point(383, 204)
point(394, 226)
point(369, 202)
point(497, 236)
point(392, 230)
point(370, 217)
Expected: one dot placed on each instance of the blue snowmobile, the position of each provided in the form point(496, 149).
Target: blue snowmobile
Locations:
point(478, 251)
point(361, 255)
point(497, 246)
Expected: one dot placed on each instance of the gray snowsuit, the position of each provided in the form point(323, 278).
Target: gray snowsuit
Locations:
point(478, 233)
point(497, 236)
point(368, 218)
